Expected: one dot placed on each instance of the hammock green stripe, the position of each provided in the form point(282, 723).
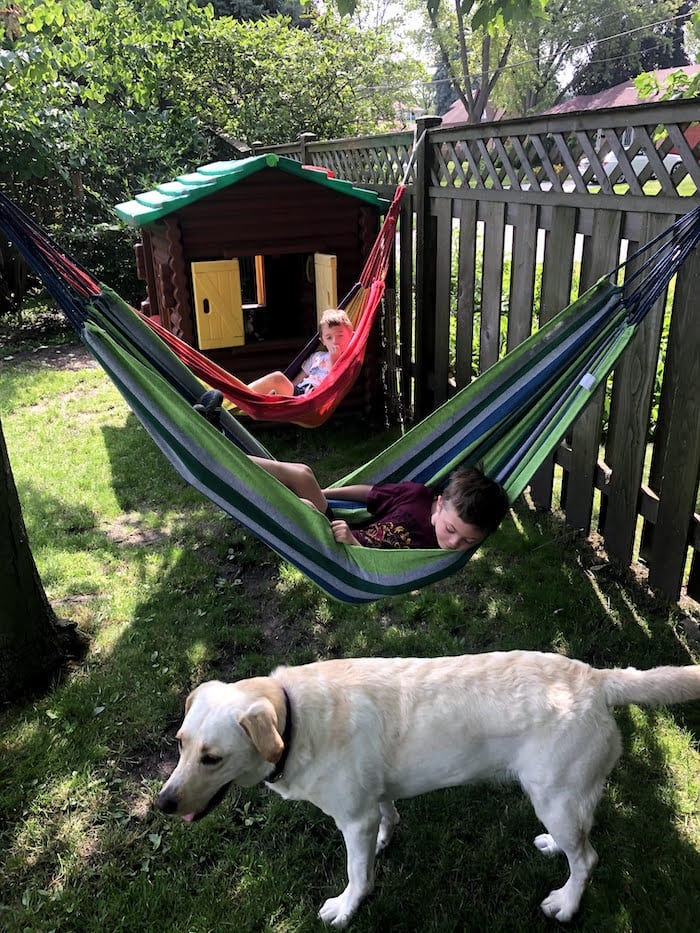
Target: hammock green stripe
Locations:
point(491, 419)
point(530, 461)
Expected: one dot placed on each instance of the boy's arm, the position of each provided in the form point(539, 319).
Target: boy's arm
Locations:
point(351, 493)
point(302, 374)
point(343, 534)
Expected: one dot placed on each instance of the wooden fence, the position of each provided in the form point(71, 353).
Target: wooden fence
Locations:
point(504, 224)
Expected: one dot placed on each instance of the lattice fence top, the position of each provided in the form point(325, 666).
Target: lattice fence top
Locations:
point(378, 160)
point(612, 152)
point(586, 153)
point(376, 165)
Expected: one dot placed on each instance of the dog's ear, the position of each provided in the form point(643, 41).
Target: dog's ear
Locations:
point(188, 701)
point(260, 723)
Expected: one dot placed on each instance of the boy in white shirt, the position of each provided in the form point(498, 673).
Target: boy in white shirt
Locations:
point(336, 333)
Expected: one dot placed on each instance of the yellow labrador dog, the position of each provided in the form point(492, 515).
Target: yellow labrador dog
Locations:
point(351, 736)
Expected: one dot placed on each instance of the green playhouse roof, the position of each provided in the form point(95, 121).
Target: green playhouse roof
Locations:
point(186, 189)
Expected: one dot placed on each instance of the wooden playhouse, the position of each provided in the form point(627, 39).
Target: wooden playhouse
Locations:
point(241, 258)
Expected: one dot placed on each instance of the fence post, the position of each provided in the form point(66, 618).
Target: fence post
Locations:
point(424, 381)
point(304, 140)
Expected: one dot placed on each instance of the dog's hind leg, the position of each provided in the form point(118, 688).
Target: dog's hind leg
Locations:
point(389, 821)
point(360, 840)
point(565, 794)
point(569, 822)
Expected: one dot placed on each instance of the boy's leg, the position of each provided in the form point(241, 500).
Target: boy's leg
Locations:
point(273, 383)
point(295, 476)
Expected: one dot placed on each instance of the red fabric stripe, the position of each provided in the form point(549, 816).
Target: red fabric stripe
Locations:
point(78, 279)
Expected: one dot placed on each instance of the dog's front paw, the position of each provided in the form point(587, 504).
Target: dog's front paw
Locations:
point(558, 906)
point(546, 844)
point(335, 912)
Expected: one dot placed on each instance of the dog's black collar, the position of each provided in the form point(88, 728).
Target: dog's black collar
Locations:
point(278, 770)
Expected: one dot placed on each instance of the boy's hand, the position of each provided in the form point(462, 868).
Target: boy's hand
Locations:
point(342, 533)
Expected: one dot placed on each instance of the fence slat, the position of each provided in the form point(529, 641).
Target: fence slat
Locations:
point(441, 322)
point(600, 255)
point(465, 293)
point(680, 481)
point(406, 301)
point(492, 279)
point(522, 274)
point(628, 429)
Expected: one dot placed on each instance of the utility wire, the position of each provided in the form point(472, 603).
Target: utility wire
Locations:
point(531, 61)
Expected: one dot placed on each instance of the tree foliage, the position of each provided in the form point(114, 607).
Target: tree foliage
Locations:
point(581, 49)
point(526, 58)
point(268, 81)
point(636, 36)
point(257, 9)
point(473, 43)
point(102, 98)
point(86, 106)
point(678, 84)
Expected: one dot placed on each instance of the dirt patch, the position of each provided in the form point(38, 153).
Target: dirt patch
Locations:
point(128, 529)
point(68, 357)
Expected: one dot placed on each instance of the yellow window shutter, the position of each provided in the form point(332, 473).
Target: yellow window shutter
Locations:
point(218, 305)
point(326, 277)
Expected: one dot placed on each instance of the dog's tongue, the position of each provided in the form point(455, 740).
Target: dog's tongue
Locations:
point(188, 817)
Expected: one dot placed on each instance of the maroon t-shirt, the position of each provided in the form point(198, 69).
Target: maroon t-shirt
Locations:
point(401, 515)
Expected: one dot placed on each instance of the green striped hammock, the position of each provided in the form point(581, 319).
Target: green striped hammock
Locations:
point(509, 419)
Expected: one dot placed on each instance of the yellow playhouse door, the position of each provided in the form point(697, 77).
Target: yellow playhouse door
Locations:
point(218, 306)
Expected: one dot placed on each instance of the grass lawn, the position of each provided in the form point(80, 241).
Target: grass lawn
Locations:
point(172, 592)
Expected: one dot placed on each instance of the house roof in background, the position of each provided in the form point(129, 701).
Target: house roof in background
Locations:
point(186, 189)
point(621, 95)
point(456, 114)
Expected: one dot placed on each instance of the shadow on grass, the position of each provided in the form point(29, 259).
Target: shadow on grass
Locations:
point(83, 846)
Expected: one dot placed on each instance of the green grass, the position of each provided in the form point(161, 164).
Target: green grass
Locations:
point(172, 592)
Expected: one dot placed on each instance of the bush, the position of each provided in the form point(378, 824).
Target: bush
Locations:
point(107, 252)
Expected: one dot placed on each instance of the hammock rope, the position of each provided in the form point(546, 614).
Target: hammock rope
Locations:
point(357, 300)
point(509, 419)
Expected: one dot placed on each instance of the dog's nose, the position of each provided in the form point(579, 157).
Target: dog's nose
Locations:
point(166, 803)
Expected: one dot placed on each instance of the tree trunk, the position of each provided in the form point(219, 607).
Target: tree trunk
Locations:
point(34, 644)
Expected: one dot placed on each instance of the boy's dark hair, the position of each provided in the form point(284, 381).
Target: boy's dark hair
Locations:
point(335, 317)
point(476, 499)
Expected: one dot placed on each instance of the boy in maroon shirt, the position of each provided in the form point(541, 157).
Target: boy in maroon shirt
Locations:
point(406, 515)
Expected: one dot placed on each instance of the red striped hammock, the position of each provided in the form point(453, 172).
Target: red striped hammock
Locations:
point(313, 409)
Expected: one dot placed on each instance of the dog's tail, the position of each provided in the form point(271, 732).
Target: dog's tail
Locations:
point(655, 687)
